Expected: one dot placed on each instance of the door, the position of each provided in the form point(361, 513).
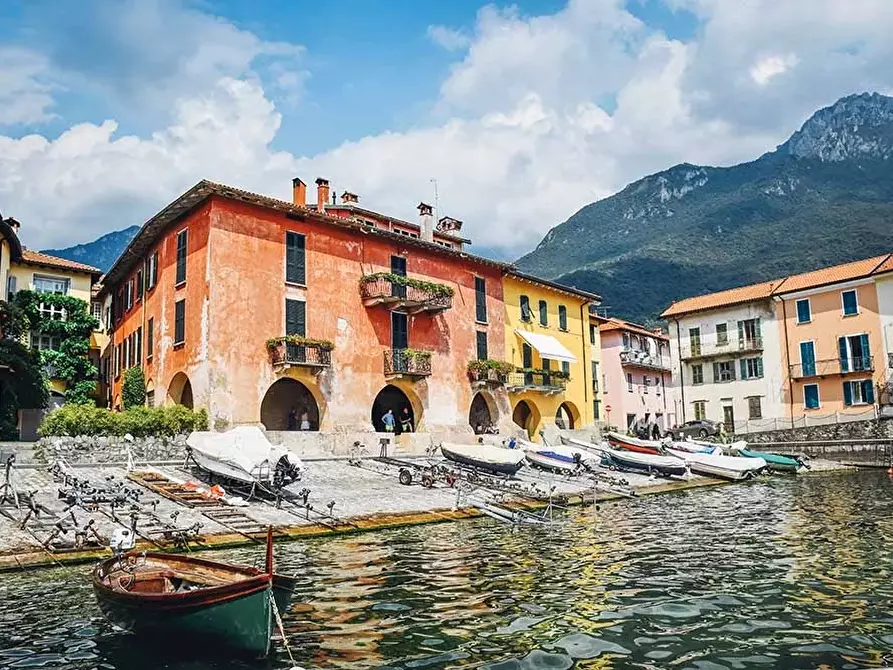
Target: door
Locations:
point(398, 267)
point(399, 331)
point(694, 341)
point(728, 415)
point(295, 324)
point(807, 359)
point(527, 363)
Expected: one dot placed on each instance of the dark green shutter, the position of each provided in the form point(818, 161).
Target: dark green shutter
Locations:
point(482, 345)
point(847, 394)
point(544, 313)
point(480, 299)
point(295, 318)
point(399, 331)
point(179, 321)
point(868, 391)
point(844, 355)
point(182, 242)
point(565, 367)
point(562, 317)
point(743, 368)
point(295, 263)
point(716, 373)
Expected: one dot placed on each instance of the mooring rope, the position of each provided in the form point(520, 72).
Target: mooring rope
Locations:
point(281, 628)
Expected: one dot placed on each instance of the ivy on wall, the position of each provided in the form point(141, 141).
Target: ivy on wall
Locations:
point(21, 380)
point(69, 363)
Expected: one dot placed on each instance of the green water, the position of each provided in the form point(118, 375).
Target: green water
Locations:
point(788, 572)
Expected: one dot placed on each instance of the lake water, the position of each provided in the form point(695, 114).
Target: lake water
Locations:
point(786, 572)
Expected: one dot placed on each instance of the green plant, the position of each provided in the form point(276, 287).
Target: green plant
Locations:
point(499, 367)
point(78, 420)
point(69, 362)
point(433, 289)
point(322, 345)
point(556, 374)
point(133, 388)
point(22, 385)
point(417, 355)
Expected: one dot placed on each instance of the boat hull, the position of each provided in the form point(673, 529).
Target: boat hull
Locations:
point(506, 466)
point(634, 444)
point(774, 462)
point(732, 468)
point(648, 463)
point(225, 470)
point(547, 460)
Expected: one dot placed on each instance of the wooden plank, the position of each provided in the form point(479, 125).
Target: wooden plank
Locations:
point(158, 483)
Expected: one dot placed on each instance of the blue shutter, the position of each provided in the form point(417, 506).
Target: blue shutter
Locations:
point(715, 373)
point(743, 368)
point(844, 356)
point(850, 304)
point(759, 370)
point(868, 391)
point(811, 396)
point(866, 352)
point(847, 394)
point(803, 314)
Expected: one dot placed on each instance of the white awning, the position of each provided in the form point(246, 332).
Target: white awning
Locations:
point(547, 346)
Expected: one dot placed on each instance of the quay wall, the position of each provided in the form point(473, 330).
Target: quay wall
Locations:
point(868, 443)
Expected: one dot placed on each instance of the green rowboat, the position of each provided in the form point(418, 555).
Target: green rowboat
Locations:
point(774, 461)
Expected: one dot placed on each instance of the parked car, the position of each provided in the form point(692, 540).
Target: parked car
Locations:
point(699, 428)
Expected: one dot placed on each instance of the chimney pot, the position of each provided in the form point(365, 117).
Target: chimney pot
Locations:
point(425, 209)
point(349, 198)
point(15, 225)
point(426, 221)
point(299, 192)
point(322, 194)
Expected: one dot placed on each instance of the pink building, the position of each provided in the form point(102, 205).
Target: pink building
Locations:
point(636, 374)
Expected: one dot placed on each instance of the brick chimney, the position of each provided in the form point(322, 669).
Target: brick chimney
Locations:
point(322, 194)
point(426, 221)
point(15, 225)
point(348, 198)
point(298, 192)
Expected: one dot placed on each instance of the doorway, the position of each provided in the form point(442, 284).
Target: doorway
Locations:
point(393, 399)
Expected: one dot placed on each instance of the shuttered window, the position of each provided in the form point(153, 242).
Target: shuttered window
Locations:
point(296, 317)
point(150, 338)
point(180, 321)
point(139, 285)
point(295, 259)
point(139, 346)
point(544, 313)
point(482, 345)
point(562, 317)
point(525, 308)
point(480, 299)
point(182, 244)
point(811, 396)
point(153, 270)
point(858, 393)
point(566, 367)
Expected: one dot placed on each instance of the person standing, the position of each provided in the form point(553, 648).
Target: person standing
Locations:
point(292, 419)
point(406, 420)
point(388, 421)
point(305, 420)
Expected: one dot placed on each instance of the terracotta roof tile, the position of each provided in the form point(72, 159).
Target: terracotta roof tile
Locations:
point(37, 258)
point(732, 296)
point(886, 266)
point(619, 324)
point(831, 275)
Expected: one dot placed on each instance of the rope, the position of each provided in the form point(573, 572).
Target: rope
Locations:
point(281, 629)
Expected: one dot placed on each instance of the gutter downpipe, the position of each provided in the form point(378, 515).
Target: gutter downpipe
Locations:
point(588, 362)
point(681, 379)
point(787, 356)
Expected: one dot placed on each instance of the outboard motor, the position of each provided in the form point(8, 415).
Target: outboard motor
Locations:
point(122, 541)
point(289, 470)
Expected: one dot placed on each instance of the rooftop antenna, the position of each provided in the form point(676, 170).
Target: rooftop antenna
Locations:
point(434, 181)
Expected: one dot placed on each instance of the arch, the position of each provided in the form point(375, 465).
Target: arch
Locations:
point(395, 399)
point(567, 416)
point(527, 417)
point(289, 405)
point(150, 393)
point(483, 412)
point(179, 391)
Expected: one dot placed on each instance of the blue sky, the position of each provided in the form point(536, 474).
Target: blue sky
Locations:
point(523, 112)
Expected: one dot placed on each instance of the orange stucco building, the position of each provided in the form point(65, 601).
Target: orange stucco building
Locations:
point(382, 313)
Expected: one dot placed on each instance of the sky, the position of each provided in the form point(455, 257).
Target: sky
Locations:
point(519, 113)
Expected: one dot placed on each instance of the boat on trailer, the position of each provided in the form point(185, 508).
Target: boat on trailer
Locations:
point(734, 468)
point(635, 444)
point(193, 600)
point(666, 466)
point(557, 458)
point(497, 460)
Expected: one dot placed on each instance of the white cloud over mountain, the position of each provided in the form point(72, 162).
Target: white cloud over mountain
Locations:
point(538, 116)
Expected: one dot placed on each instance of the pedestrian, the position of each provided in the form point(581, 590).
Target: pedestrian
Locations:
point(655, 432)
point(388, 421)
point(305, 420)
point(406, 420)
point(292, 419)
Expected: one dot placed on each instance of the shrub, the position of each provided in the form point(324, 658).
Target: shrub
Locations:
point(77, 420)
point(133, 388)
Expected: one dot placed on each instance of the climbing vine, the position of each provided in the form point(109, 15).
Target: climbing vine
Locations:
point(21, 379)
point(69, 362)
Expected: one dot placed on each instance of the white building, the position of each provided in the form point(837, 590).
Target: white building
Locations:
point(726, 357)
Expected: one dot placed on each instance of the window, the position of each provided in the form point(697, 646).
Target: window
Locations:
point(182, 243)
point(398, 269)
point(811, 396)
point(128, 295)
point(96, 309)
point(480, 300)
point(593, 332)
point(562, 317)
point(153, 270)
point(858, 393)
point(295, 317)
point(807, 359)
point(525, 309)
point(566, 368)
point(646, 382)
point(754, 411)
point(749, 334)
point(544, 313)
point(138, 358)
point(850, 303)
point(594, 376)
point(700, 410)
point(117, 361)
point(697, 374)
point(855, 353)
point(43, 342)
point(150, 338)
point(751, 368)
point(722, 334)
point(629, 382)
point(55, 285)
point(596, 409)
point(658, 385)
point(126, 357)
point(295, 259)
point(804, 313)
point(399, 331)
point(625, 337)
point(139, 285)
point(53, 312)
point(150, 398)
point(724, 371)
point(694, 341)
point(482, 345)
point(179, 322)
point(605, 382)
point(10, 287)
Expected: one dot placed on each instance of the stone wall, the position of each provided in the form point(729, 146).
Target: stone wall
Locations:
point(832, 442)
point(109, 449)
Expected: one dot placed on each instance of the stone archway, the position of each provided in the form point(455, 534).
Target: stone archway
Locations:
point(289, 405)
point(394, 399)
point(150, 393)
point(567, 416)
point(483, 413)
point(179, 391)
point(527, 417)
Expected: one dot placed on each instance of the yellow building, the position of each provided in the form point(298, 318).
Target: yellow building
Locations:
point(548, 341)
point(10, 252)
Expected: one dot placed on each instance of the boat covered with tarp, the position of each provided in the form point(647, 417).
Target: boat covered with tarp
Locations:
point(734, 468)
point(641, 462)
point(245, 455)
point(775, 462)
point(490, 458)
point(634, 444)
point(556, 457)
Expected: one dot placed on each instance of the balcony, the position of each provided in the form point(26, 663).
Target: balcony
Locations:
point(643, 359)
point(403, 293)
point(299, 351)
point(730, 348)
point(489, 372)
point(407, 363)
point(541, 381)
point(832, 366)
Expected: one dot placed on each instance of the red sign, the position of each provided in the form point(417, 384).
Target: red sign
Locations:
point(607, 408)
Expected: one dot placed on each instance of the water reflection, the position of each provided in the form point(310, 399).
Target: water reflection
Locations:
point(783, 573)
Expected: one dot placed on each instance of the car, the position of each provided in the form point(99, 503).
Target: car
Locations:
point(699, 428)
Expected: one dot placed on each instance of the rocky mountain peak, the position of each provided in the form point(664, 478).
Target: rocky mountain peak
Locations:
point(857, 126)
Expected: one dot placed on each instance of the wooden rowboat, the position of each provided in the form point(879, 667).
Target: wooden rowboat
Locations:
point(634, 444)
point(166, 596)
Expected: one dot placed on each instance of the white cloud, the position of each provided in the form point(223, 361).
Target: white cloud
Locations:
point(448, 38)
point(539, 116)
point(25, 90)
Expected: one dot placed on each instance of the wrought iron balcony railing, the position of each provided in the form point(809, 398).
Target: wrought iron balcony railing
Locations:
point(407, 362)
point(405, 293)
point(536, 381)
point(832, 366)
point(690, 352)
point(643, 359)
point(309, 355)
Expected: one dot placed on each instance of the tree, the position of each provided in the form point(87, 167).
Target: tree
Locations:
point(133, 388)
point(21, 374)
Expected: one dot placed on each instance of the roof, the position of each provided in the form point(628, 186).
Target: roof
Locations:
point(37, 258)
point(776, 287)
point(619, 324)
point(205, 189)
point(9, 233)
point(570, 290)
point(386, 217)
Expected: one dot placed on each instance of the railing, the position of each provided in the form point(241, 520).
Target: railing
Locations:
point(536, 381)
point(410, 294)
point(643, 359)
point(688, 352)
point(309, 355)
point(487, 376)
point(407, 362)
point(832, 366)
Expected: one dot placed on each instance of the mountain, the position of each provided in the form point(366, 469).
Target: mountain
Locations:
point(99, 253)
point(823, 197)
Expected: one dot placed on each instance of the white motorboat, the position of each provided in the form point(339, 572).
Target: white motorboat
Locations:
point(734, 468)
point(556, 457)
point(642, 462)
point(485, 457)
point(695, 447)
point(245, 455)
